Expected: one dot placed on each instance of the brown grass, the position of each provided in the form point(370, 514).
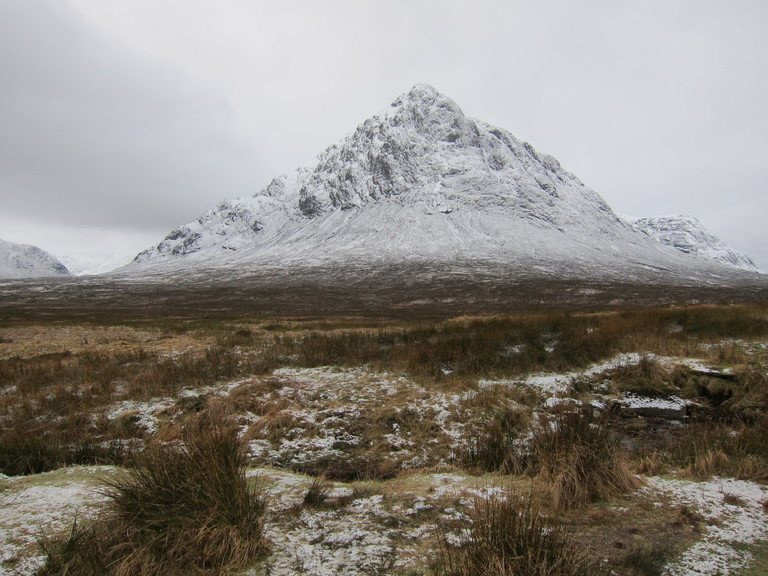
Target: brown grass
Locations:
point(507, 536)
point(180, 510)
point(581, 460)
point(492, 445)
point(725, 449)
point(318, 493)
point(61, 399)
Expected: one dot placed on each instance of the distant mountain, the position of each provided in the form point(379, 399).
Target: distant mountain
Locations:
point(26, 261)
point(83, 267)
point(688, 235)
point(422, 183)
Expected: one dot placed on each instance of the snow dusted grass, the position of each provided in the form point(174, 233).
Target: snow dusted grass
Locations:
point(32, 507)
point(353, 424)
point(506, 535)
point(396, 526)
point(376, 439)
point(736, 518)
point(179, 509)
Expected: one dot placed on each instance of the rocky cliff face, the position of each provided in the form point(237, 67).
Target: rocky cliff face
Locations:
point(25, 261)
point(688, 235)
point(422, 182)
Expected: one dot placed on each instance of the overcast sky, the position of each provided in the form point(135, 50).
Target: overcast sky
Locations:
point(122, 119)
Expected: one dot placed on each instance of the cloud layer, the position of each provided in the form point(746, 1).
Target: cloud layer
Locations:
point(139, 116)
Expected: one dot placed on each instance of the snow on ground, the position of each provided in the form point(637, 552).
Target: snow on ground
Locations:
point(736, 514)
point(554, 386)
point(556, 383)
point(371, 531)
point(671, 403)
point(145, 413)
point(45, 504)
point(351, 540)
point(326, 403)
point(371, 534)
point(326, 412)
point(386, 528)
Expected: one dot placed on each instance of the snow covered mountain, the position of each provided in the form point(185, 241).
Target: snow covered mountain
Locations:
point(687, 234)
point(86, 267)
point(422, 183)
point(26, 261)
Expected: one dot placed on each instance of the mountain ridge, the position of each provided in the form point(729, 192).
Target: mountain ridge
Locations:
point(688, 235)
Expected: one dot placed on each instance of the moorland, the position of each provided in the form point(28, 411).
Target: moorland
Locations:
point(451, 429)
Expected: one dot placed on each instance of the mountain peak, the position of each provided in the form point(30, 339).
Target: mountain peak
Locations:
point(429, 111)
point(420, 93)
point(390, 155)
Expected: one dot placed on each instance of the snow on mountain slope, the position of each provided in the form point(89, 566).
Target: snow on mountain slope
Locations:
point(25, 261)
point(422, 182)
point(687, 234)
point(87, 267)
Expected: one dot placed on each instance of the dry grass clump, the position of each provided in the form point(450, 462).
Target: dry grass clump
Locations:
point(318, 493)
point(507, 536)
point(648, 560)
point(727, 449)
point(454, 349)
point(53, 407)
point(581, 460)
point(730, 435)
point(79, 553)
point(651, 462)
point(515, 344)
point(33, 449)
point(748, 396)
point(354, 465)
point(648, 377)
point(183, 509)
point(493, 445)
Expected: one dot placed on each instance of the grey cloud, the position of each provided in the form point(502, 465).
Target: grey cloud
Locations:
point(95, 134)
point(145, 116)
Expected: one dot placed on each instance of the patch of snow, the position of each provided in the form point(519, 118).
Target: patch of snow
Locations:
point(553, 384)
point(31, 507)
point(323, 543)
point(556, 401)
point(325, 403)
point(635, 401)
point(145, 412)
point(732, 527)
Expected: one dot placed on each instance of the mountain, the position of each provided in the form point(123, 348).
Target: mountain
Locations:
point(421, 183)
point(87, 267)
point(26, 261)
point(688, 235)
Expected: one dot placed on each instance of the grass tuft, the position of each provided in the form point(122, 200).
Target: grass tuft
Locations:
point(581, 459)
point(492, 446)
point(79, 552)
point(318, 493)
point(646, 560)
point(181, 510)
point(507, 536)
point(725, 449)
